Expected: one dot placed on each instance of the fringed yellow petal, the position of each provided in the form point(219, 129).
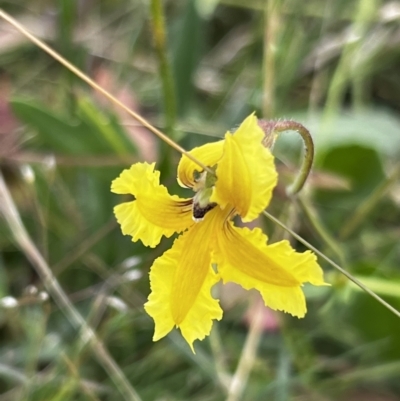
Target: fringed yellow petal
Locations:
point(246, 173)
point(208, 154)
point(138, 178)
point(155, 212)
point(181, 281)
point(276, 271)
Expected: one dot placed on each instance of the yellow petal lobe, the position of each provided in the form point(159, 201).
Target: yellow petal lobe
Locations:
point(181, 281)
point(276, 271)
point(208, 154)
point(155, 212)
point(246, 174)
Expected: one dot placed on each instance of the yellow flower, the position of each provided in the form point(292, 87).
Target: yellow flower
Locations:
point(211, 248)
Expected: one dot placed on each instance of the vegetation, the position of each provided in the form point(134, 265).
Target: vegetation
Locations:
point(195, 69)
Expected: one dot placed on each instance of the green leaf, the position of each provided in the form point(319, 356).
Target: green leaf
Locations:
point(188, 43)
point(383, 287)
point(360, 164)
point(89, 134)
point(362, 167)
point(109, 131)
point(54, 133)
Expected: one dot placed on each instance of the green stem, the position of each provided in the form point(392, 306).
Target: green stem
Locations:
point(272, 26)
point(219, 358)
point(66, 18)
point(346, 69)
point(272, 129)
point(315, 221)
point(159, 37)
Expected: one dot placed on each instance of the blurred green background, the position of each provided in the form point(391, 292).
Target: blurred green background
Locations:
point(332, 65)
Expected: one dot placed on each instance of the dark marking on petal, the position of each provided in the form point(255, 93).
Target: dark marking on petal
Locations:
point(184, 206)
point(199, 212)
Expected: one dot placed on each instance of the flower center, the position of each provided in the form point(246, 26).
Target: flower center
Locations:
point(204, 185)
